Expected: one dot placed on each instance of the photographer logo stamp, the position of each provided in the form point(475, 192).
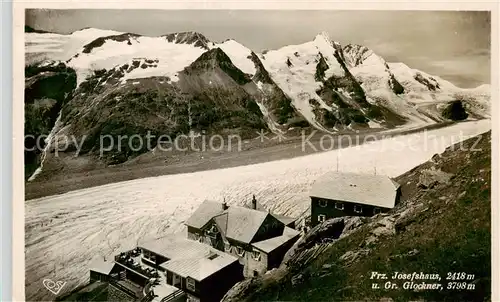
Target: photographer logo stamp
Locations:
point(53, 286)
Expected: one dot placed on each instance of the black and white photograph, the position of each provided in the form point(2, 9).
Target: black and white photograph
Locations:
point(175, 155)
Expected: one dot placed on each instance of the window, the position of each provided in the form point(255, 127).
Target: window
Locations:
point(190, 284)
point(256, 255)
point(376, 211)
point(240, 251)
point(358, 209)
point(339, 205)
point(176, 280)
point(213, 229)
point(149, 256)
point(321, 218)
point(322, 203)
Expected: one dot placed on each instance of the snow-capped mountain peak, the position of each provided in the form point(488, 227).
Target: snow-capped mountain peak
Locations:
point(356, 55)
point(172, 53)
point(240, 55)
point(190, 37)
point(324, 37)
point(320, 77)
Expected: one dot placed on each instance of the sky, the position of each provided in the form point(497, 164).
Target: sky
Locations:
point(452, 44)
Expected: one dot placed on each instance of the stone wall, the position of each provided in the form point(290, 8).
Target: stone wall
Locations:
point(117, 295)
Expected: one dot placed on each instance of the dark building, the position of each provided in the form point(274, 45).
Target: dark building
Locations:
point(169, 269)
point(348, 194)
point(200, 271)
point(256, 237)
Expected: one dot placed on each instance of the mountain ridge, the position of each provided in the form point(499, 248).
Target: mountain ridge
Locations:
point(319, 84)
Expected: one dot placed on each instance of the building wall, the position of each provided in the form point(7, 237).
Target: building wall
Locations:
point(96, 276)
point(233, 250)
point(213, 288)
point(255, 267)
point(331, 212)
point(275, 257)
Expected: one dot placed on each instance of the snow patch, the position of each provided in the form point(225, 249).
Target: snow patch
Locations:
point(60, 47)
point(239, 55)
point(172, 58)
point(298, 80)
point(272, 124)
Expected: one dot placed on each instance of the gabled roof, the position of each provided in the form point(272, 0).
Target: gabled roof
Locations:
point(188, 258)
point(285, 219)
point(242, 223)
point(221, 221)
point(271, 244)
point(206, 211)
point(375, 190)
point(236, 222)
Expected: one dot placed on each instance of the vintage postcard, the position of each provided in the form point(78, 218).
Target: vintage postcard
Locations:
point(258, 152)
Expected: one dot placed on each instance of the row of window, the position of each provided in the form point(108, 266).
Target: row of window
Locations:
point(357, 209)
point(241, 252)
point(340, 206)
point(228, 248)
point(324, 203)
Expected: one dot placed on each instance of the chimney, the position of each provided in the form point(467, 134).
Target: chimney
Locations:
point(224, 205)
point(254, 203)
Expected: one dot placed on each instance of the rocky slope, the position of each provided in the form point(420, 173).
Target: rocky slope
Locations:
point(183, 83)
point(442, 225)
point(47, 87)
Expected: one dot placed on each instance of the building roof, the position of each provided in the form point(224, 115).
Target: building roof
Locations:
point(102, 266)
point(375, 190)
point(242, 223)
point(239, 223)
point(204, 213)
point(163, 289)
point(285, 219)
point(199, 268)
point(271, 244)
point(189, 258)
